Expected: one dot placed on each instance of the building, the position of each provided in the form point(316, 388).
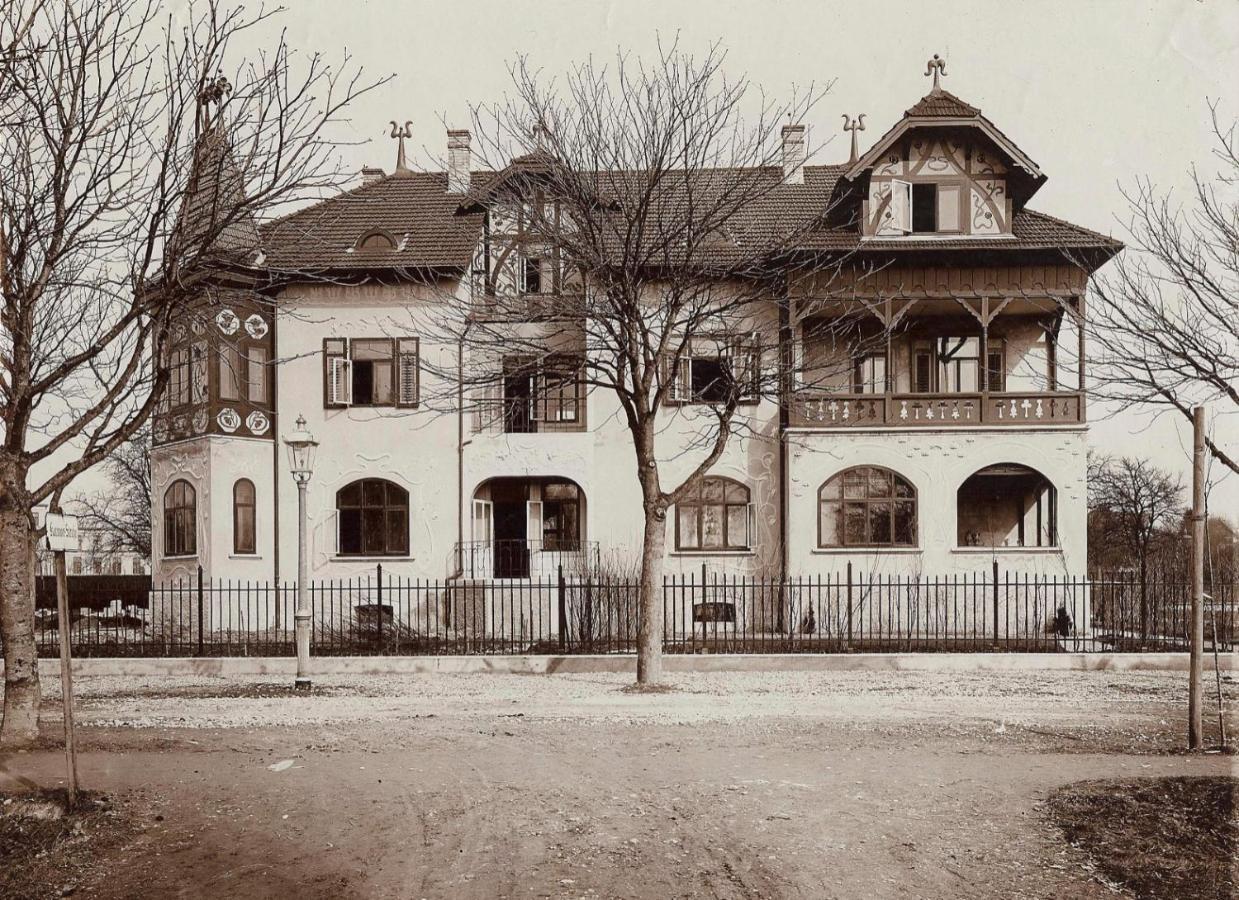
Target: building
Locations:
point(957, 439)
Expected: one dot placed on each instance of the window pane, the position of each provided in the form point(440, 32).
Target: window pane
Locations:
point(880, 523)
point(243, 492)
point(351, 495)
point(736, 493)
point(833, 489)
point(737, 526)
point(712, 490)
point(374, 530)
point(258, 375)
point(854, 522)
point(905, 522)
point(712, 527)
point(903, 488)
point(397, 531)
point(243, 522)
point(350, 531)
point(372, 350)
point(382, 390)
point(879, 483)
point(831, 524)
point(373, 492)
point(229, 373)
point(854, 483)
point(688, 528)
point(363, 382)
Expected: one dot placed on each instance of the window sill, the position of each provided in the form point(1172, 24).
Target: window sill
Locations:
point(180, 558)
point(749, 552)
point(988, 551)
point(866, 551)
point(244, 556)
point(370, 559)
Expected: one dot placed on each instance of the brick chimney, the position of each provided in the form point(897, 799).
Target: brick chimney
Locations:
point(793, 154)
point(458, 161)
point(370, 174)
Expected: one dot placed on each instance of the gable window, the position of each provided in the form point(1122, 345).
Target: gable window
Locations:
point(243, 514)
point(180, 519)
point(951, 365)
point(711, 368)
point(717, 515)
point(370, 372)
point(924, 208)
point(372, 519)
point(867, 506)
point(376, 240)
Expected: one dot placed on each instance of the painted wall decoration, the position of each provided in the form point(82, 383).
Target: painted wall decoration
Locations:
point(228, 419)
point(198, 378)
point(257, 423)
point(227, 322)
point(201, 419)
point(256, 326)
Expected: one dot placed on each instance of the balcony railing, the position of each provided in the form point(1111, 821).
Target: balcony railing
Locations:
point(539, 560)
point(817, 409)
point(549, 413)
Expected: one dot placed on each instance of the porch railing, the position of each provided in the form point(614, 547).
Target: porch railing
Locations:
point(819, 409)
point(537, 559)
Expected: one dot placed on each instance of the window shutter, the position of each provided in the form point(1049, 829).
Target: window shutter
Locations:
point(339, 381)
point(533, 524)
point(993, 372)
point(408, 372)
point(750, 524)
point(682, 384)
point(923, 372)
point(901, 205)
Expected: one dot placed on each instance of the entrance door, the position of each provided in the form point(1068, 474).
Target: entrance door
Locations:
point(511, 550)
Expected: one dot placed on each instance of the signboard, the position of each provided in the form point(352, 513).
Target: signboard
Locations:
point(62, 532)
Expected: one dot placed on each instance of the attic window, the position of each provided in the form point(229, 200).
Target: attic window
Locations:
point(376, 240)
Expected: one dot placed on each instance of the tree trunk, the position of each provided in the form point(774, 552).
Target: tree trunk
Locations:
point(653, 547)
point(20, 724)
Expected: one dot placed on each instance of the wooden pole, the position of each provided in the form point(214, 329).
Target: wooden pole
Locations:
point(1195, 689)
point(66, 675)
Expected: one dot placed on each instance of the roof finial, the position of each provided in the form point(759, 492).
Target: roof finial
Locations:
point(214, 90)
point(936, 67)
point(854, 125)
point(401, 133)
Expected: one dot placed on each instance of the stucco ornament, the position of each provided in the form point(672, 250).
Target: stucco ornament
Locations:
point(227, 322)
point(228, 419)
point(256, 326)
point(257, 423)
point(200, 421)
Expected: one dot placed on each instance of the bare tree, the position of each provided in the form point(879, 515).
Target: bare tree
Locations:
point(639, 239)
point(1138, 503)
point(133, 170)
point(121, 514)
point(1165, 324)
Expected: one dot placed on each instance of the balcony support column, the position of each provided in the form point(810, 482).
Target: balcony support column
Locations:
point(1080, 359)
point(983, 362)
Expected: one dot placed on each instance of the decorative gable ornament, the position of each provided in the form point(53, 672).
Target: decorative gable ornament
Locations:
point(257, 423)
point(228, 420)
point(256, 326)
point(227, 321)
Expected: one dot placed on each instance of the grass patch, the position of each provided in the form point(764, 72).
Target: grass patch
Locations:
point(1157, 837)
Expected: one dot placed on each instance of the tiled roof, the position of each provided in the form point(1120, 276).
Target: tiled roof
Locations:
point(430, 230)
point(942, 104)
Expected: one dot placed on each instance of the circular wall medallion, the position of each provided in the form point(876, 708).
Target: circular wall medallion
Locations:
point(257, 423)
point(228, 420)
point(256, 326)
point(227, 322)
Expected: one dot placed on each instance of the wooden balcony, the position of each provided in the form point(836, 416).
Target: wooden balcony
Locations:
point(817, 409)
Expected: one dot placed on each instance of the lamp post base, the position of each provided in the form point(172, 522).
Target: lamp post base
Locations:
point(301, 684)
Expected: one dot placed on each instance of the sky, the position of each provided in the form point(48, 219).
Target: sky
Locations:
point(1096, 91)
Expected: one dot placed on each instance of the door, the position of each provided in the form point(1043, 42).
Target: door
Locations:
point(511, 552)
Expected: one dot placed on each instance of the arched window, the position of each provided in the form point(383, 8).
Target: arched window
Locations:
point(867, 506)
point(373, 519)
point(1007, 505)
point(717, 515)
point(376, 240)
point(243, 540)
point(180, 520)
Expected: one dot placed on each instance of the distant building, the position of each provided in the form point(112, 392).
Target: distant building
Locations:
point(96, 556)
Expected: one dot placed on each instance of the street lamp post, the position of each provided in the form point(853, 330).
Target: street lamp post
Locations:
point(301, 446)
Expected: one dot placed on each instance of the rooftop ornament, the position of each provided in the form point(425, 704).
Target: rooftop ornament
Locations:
point(854, 125)
point(936, 67)
point(401, 133)
point(214, 90)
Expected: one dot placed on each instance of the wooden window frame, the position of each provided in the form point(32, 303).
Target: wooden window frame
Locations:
point(892, 499)
point(388, 510)
point(402, 348)
point(176, 530)
point(251, 510)
point(699, 503)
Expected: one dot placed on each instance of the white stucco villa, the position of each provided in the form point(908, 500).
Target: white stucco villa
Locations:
point(959, 441)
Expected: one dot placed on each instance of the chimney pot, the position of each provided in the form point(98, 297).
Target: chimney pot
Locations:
point(459, 158)
point(793, 154)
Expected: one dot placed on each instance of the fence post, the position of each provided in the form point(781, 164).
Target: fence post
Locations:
point(849, 601)
point(704, 607)
point(201, 651)
point(562, 603)
point(379, 567)
point(995, 604)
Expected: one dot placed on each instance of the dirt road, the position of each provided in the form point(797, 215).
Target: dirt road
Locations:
point(566, 786)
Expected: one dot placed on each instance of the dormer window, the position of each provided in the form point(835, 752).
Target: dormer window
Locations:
point(935, 208)
point(376, 240)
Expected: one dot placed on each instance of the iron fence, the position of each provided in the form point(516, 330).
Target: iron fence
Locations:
point(703, 612)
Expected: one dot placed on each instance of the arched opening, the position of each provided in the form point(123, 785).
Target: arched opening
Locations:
point(180, 519)
point(243, 515)
point(372, 519)
point(376, 240)
point(1007, 505)
point(866, 506)
point(516, 520)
